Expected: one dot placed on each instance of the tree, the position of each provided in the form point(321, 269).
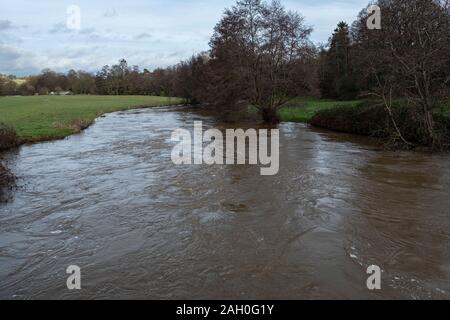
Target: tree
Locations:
point(337, 79)
point(2, 84)
point(191, 79)
point(48, 81)
point(101, 81)
point(8, 86)
point(82, 83)
point(409, 57)
point(26, 89)
point(254, 51)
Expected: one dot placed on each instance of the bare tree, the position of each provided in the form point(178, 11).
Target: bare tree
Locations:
point(256, 51)
point(410, 56)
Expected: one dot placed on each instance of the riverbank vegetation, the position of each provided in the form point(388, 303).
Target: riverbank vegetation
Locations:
point(38, 118)
point(369, 118)
point(6, 182)
point(8, 137)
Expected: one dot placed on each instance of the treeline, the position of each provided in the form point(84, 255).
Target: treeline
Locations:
point(405, 63)
point(409, 55)
point(118, 79)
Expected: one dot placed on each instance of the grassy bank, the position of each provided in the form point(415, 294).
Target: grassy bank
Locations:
point(39, 118)
point(302, 109)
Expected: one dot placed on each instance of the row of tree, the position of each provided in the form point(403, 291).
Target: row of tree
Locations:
point(8, 85)
point(118, 79)
point(408, 58)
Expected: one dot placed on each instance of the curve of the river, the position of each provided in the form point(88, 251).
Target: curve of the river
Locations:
point(111, 201)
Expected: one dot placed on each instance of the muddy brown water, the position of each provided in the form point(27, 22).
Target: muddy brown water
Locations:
point(110, 201)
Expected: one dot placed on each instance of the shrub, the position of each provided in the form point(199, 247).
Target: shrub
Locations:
point(370, 118)
point(8, 137)
point(7, 182)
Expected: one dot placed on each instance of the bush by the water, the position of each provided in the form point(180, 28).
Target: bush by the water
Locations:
point(370, 118)
point(6, 183)
point(8, 137)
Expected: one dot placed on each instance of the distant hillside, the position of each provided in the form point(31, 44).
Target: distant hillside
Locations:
point(18, 81)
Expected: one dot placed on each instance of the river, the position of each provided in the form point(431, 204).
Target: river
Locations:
point(111, 201)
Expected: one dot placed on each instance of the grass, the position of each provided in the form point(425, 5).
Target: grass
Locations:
point(20, 81)
point(302, 109)
point(39, 118)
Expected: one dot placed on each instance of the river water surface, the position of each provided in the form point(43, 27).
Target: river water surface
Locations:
point(110, 201)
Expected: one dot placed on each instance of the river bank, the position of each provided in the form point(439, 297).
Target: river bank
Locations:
point(44, 118)
point(111, 201)
point(28, 120)
point(6, 182)
point(404, 130)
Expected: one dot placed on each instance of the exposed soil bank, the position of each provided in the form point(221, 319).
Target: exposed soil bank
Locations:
point(371, 119)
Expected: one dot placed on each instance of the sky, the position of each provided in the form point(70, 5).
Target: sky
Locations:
point(149, 33)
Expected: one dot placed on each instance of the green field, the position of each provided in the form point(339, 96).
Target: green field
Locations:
point(39, 118)
point(302, 109)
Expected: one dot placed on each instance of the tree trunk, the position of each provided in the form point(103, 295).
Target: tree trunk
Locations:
point(270, 115)
point(429, 125)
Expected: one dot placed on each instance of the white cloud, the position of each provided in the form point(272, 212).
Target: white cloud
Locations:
point(151, 33)
point(110, 13)
point(5, 25)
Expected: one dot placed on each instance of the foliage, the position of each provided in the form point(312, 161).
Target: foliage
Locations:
point(337, 79)
point(369, 118)
point(258, 55)
point(8, 137)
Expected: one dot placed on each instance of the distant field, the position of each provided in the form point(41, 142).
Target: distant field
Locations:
point(38, 118)
point(20, 81)
point(302, 109)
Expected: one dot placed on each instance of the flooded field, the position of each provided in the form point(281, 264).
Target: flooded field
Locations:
point(111, 201)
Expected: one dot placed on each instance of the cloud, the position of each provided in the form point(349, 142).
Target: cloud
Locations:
point(60, 28)
point(13, 59)
point(5, 25)
point(151, 34)
point(143, 36)
point(110, 13)
point(17, 61)
point(87, 31)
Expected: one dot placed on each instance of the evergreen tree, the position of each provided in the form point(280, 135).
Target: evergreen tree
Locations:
point(337, 80)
